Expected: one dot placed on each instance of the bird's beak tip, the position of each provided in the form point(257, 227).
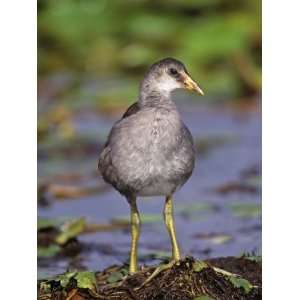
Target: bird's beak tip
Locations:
point(190, 84)
point(199, 91)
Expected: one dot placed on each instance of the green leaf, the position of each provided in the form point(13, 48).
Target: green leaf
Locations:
point(235, 279)
point(48, 251)
point(70, 229)
point(64, 279)
point(117, 276)
point(43, 223)
point(45, 287)
point(199, 265)
point(197, 209)
point(246, 210)
point(241, 283)
point(86, 280)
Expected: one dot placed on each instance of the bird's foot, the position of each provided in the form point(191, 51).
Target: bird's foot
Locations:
point(157, 271)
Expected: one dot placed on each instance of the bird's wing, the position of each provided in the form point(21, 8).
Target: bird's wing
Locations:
point(105, 165)
point(132, 109)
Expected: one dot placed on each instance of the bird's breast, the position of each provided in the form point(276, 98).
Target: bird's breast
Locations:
point(162, 132)
point(151, 154)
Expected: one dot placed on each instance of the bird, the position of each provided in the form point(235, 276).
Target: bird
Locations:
point(150, 151)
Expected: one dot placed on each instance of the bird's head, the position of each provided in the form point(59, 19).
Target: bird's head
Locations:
point(167, 75)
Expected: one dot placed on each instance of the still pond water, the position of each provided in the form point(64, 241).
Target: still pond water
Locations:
point(217, 212)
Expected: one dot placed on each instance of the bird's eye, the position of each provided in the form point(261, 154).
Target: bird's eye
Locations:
point(173, 71)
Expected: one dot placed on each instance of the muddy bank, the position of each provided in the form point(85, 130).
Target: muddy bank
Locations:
point(190, 279)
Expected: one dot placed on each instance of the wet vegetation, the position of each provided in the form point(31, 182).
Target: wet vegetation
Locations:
point(189, 279)
point(92, 55)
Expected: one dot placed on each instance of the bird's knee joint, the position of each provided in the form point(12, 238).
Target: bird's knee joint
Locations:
point(136, 220)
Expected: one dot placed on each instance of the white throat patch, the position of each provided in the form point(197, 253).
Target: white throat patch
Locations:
point(167, 84)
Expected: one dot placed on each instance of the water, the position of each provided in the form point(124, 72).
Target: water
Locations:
point(209, 224)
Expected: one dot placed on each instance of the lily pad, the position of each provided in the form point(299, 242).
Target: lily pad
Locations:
point(192, 210)
point(70, 230)
point(246, 210)
point(50, 251)
point(43, 223)
point(86, 280)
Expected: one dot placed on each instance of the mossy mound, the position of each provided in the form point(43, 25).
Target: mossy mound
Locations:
point(189, 279)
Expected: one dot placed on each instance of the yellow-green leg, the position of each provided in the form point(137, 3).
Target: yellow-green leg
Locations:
point(169, 220)
point(135, 234)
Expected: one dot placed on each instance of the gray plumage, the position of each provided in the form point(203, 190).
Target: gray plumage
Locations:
point(150, 152)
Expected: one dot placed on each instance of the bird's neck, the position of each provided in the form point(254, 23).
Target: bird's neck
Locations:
point(152, 97)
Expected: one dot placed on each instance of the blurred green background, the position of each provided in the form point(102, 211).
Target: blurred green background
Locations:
point(114, 42)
